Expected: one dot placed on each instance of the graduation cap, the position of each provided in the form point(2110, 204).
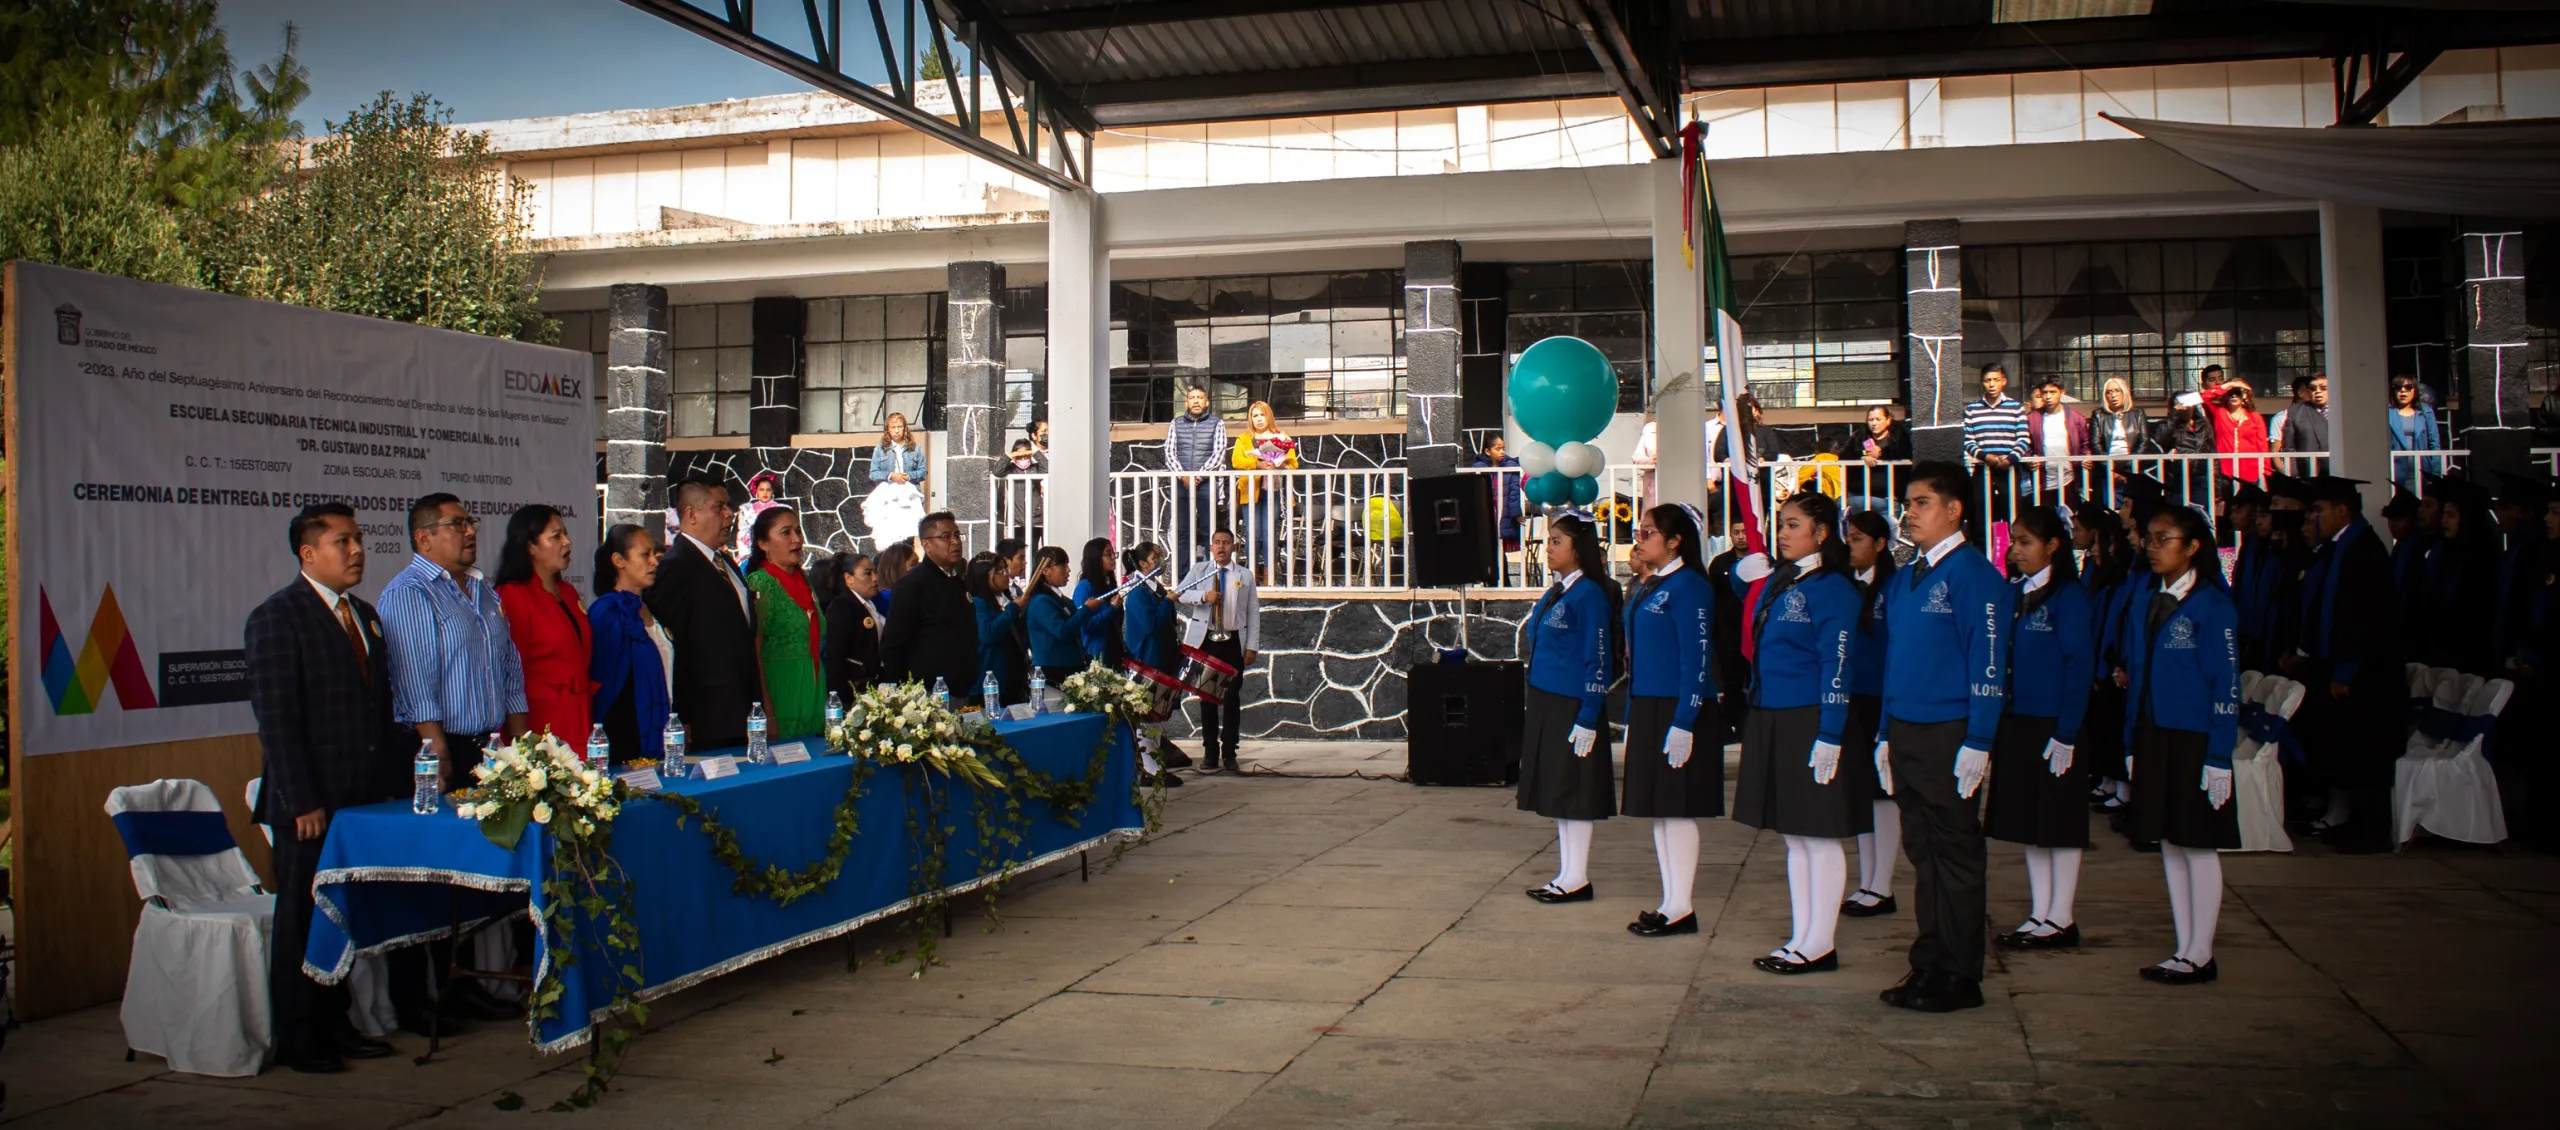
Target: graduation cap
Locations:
point(2402, 505)
point(2331, 488)
point(2249, 495)
point(2140, 486)
point(2532, 490)
point(2459, 491)
point(2281, 485)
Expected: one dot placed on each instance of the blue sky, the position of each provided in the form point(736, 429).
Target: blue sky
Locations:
point(492, 59)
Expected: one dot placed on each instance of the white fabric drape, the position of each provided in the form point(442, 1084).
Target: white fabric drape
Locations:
point(2471, 168)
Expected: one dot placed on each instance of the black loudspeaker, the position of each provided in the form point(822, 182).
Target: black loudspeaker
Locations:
point(1462, 723)
point(1451, 520)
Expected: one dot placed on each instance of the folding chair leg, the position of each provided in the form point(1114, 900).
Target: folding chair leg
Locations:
point(1084, 868)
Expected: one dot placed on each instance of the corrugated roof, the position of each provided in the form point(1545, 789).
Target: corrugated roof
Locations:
point(1336, 37)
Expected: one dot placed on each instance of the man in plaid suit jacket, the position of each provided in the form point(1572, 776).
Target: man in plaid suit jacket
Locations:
point(320, 685)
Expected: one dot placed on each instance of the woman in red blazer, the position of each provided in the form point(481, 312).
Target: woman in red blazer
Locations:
point(548, 623)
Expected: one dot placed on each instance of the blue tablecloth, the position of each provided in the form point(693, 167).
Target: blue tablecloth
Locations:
point(389, 877)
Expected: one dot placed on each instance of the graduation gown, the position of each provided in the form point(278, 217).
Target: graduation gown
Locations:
point(2350, 637)
point(2457, 606)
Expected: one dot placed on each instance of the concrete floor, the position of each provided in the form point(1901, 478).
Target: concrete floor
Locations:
point(1338, 952)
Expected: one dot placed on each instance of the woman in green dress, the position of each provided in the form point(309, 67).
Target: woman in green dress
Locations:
point(789, 627)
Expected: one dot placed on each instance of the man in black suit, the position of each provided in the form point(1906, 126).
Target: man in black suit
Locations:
point(320, 686)
point(2306, 423)
point(703, 603)
point(933, 631)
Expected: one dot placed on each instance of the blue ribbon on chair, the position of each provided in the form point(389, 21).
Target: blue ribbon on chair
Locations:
point(2266, 727)
point(173, 833)
point(2439, 723)
point(2250, 712)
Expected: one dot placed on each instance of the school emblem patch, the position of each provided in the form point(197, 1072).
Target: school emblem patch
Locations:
point(1660, 601)
point(1792, 608)
point(2181, 635)
point(1937, 601)
point(2040, 620)
point(1556, 617)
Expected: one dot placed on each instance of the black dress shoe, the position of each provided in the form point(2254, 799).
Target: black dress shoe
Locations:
point(2065, 938)
point(1948, 995)
point(2181, 972)
point(315, 1063)
point(1883, 905)
point(1914, 984)
point(2016, 939)
point(1550, 894)
point(1172, 757)
point(1167, 780)
point(1773, 963)
point(1651, 925)
point(356, 1045)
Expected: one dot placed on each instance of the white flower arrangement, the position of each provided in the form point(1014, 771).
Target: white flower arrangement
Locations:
point(537, 779)
point(902, 724)
point(1100, 690)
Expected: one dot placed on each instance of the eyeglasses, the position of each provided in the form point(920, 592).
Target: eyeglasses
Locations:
point(466, 524)
point(1647, 532)
point(946, 535)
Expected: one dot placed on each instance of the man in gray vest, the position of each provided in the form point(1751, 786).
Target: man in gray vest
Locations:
point(1196, 444)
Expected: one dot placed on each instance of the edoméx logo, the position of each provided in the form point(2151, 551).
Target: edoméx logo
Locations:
point(78, 685)
point(526, 384)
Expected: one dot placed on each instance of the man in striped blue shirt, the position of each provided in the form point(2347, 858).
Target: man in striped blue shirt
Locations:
point(455, 675)
point(1995, 436)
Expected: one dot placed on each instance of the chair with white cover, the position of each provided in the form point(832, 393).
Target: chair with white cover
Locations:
point(196, 993)
point(2257, 766)
point(2422, 690)
point(2444, 783)
point(368, 980)
point(2249, 681)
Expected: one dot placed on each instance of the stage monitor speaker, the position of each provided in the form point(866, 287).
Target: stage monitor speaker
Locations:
point(1453, 530)
point(1462, 723)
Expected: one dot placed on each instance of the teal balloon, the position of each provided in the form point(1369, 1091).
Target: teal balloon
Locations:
point(1552, 489)
point(1563, 391)
point(1585, 490)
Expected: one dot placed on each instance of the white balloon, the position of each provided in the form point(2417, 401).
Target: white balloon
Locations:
point(1535, 458)
point(1577, 459)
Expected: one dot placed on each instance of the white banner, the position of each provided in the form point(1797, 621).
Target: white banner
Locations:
point(163, 441)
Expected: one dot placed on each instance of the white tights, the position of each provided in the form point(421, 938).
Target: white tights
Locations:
point(1573, 855)
point(2195, 898)
point(1817, 871)
point(1675, 849)
point(1879, 850)
point(2053, 884)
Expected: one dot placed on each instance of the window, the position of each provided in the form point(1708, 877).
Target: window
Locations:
point(2155, 313)
point(1821, 328)
point(866, 356)
point(711, 347)
point(1026, 357)
point(591, 331)
point(1604, 303)
point(1317, 346)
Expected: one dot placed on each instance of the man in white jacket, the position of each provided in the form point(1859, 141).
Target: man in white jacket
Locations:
point(1219, 597)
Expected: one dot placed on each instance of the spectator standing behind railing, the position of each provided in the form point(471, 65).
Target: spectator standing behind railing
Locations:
point(2237, 430)
point(2188, 432)
point(1646, 454)
point(1496, 456)
point(1885, 440)
point(2118, 427)
point(2056, 429)
point(2305, 430)
point(1995, 435)
point(1193, 444)
point(898, 459)
point(2413, 428)
point(1262, 447)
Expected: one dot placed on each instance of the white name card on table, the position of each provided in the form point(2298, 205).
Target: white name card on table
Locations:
point(1020, 712)
point(791, 753)
point(972, 717)
point(714, 768)
point(643, 780)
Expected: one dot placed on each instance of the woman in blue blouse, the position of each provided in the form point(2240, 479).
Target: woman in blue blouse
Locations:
point(1672, 775)
point(2182, 681)
point(1790, 779)
point(1001, 651)
point(634, 660)
point(1096, 578)
point(1565, 771)
point(1058, 623)
point(1870, 539)
point(2039, 793)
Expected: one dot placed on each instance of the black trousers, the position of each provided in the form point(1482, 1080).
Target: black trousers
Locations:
point(307, 1014)
point(1942, 833)
point(1222, 726)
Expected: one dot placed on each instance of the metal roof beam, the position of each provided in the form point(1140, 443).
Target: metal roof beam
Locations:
point(1648, 86)
point(1141, 12)
point(1349, 89)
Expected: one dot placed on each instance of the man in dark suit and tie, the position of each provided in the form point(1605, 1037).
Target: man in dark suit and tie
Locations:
point(703, 603)
point(320, 686)
point(933, 631)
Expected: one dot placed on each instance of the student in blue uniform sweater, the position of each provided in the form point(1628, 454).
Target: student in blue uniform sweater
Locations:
point(1946, 674)
point(2039, 792)
point(1790, 778)
point(1565, 772)
point(1096, 578)
point(1002, 650)
point(1057, 621)
point(2182, 684)
point(1146, 626)
point(1675, 764)
point(1870, 538)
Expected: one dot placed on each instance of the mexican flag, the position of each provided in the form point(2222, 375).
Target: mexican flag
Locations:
point(1723, 310)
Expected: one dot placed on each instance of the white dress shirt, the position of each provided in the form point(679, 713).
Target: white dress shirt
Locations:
point(1239, 608)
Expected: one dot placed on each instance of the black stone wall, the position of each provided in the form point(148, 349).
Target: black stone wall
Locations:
point(824, 484)
point(1334, 669)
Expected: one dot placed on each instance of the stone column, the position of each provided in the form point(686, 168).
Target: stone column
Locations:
point(974, 376)
point(637, 392)
point(1431, 350)
point(2500, 432)
point(1681, 380)
point(1079, 369)
point(1934, 306)
point(2355, 351)
point(773, 404)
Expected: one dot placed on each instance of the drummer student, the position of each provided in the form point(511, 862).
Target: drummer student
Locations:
point(1221, 592)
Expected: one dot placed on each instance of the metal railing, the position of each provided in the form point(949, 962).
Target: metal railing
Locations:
point(1340, 528)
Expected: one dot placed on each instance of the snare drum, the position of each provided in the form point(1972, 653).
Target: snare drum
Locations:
point(1208, 676)
point(1164, 692)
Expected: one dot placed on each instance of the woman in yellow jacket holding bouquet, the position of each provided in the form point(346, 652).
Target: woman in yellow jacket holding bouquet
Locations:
point(1262, 447)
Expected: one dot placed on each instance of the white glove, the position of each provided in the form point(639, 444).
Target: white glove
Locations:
point(2217, 786)
point(1884, 766)
point(1582, 739)
point(1971, 766)
point(1825, 762)
point(2057, 756)
point(1754, 567)
point(1676, 746)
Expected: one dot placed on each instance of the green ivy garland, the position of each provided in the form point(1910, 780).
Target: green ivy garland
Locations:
point(586, 879)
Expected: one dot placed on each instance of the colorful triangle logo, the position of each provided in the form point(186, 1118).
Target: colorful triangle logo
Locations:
point(76, 683)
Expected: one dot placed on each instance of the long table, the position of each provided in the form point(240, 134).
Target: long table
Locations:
point(389, 877)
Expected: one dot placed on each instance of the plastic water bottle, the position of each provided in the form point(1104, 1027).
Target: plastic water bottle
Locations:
point(1039, 691)
point(990, 694)
point(671, 760)
point(599, 750)
point(757, 752)
point(835, 715)
point(942, 691)
point(427, 793)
